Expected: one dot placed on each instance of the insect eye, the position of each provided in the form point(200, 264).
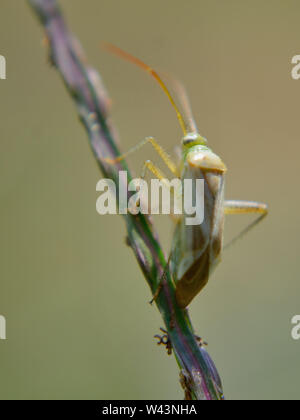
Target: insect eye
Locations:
point(187, 142)
point(192, 139)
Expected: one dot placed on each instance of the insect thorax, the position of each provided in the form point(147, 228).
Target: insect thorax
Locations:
point(203, 157)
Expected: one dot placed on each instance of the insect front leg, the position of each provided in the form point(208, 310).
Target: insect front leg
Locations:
point(150, 166)
point(173, 187)
point(164, 155)
point(245, 207)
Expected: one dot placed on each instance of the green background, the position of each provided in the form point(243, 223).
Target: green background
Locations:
point(78, 321)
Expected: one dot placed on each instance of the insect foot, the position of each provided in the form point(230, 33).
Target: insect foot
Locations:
point(200, 341)
point(165, 340)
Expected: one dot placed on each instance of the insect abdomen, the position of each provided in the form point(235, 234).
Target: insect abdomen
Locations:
point(193, 281)
point(201, 245)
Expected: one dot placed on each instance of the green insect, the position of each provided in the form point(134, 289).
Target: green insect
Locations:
point(196, 249)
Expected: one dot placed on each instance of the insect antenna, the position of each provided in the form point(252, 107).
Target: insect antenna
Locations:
point(126, 56)
point(183, 100)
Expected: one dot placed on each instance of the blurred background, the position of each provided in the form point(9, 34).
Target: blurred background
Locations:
point(75, 301)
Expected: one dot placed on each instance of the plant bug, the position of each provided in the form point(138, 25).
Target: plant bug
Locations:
point(196, 249)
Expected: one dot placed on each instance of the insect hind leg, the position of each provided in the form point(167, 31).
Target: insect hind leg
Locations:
point(245, 207)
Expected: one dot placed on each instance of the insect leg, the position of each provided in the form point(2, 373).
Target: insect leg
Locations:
point(164, 155)
point(155, 171)
point(150, 166)
point(160, 284)
point(245, 207)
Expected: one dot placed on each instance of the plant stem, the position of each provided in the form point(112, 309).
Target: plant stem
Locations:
point(201, 380)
